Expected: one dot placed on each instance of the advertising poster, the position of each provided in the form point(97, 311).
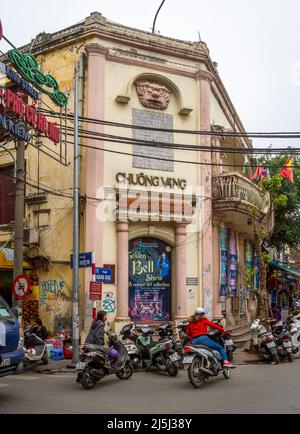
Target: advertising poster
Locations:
point(223, 262)
point(233, 265)
point(149, 280)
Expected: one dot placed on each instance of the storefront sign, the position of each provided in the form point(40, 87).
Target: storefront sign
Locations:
point(104, 275)
point(151, 181)
point(13, 103)
point(85, 260)
point(29, 69)
point(149, 280)
point(223, 261)
point(95, 291)
point(233, 265)
point(23, 84)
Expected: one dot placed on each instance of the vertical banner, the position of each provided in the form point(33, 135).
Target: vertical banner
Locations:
point(249, 264)
point(233, 265)
point(256, 275)
point(223, 262)
point(149, 280)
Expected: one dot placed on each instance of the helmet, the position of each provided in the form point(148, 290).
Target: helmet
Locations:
point(113, 354)
point(200, 311)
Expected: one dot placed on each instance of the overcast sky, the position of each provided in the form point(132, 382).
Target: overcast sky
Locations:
point(255, 42)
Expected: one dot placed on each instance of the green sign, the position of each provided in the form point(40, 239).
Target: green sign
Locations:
point(29, 69)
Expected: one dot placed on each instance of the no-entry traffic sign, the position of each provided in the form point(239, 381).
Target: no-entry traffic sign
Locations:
point(21, 287)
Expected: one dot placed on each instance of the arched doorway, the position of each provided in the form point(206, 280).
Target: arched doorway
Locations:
point(150, 275)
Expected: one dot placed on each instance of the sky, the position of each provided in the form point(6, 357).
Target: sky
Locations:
point(256, 44)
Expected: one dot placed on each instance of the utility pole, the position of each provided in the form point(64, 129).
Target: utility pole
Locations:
point(75, 313)
point(19, 217)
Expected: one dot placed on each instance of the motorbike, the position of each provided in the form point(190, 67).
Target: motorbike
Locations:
point(223, 339)
point(264, 342)
point(34, 348)
point(283, 340)
point(203, 363)
point(129, 337)
point(293, 323)
point(98, 362)
point(159, 354)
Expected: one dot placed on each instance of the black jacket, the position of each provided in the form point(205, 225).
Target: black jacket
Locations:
point(96, 334)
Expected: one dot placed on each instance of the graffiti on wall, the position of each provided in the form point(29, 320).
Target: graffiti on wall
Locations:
point(52, 290)
point(109, 304)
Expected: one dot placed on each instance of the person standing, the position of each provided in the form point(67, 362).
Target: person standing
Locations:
point(97, 333)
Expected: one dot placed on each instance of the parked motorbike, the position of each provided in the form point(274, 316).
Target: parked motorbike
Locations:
point(264, 342)
point(203, 363)
point(34, 348)
point(223, 339)
point(159, 354)
point(129, 337)
point(283, 340)
point(98, 362)
point(293, 323)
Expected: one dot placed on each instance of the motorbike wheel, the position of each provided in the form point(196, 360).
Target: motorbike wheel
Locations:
point(275, 358)
point(126, 373)
point(87, 380)
point(196, 376)
point(172, 370)
point(227, 374)
point(290, 357)
point(45, 359)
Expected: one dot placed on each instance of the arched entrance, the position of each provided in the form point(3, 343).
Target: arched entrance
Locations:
point(150, 275)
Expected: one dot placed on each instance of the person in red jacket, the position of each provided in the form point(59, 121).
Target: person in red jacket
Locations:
point(197, 331)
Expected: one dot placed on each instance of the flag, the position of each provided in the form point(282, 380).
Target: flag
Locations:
point(287, 171)
point(257, 173)
point(246, 161)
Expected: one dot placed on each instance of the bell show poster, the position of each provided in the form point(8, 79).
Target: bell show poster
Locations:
point(149, 280)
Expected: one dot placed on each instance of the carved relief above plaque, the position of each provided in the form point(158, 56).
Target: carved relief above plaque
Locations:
point(153, 95)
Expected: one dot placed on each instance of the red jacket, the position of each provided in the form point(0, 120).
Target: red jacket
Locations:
point(199, 328)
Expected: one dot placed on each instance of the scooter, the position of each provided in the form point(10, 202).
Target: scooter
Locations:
point(98, 362)
point(34, 348)
point(161, 354)
point(264, 342)
point(203, 363)
point(283, 341)
point(293, 324)
point(129, 337)
point(223, 339)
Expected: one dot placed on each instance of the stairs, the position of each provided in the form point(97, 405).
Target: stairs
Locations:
point(241, 334)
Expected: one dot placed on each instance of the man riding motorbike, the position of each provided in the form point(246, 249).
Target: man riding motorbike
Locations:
point(197, 331)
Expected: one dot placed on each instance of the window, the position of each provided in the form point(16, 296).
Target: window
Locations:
point(7, 195)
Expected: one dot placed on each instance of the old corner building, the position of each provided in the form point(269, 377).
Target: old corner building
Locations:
point(175, 234)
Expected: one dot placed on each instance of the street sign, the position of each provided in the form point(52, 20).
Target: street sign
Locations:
point(104, 275)
point(95, 291)
point(85, 260)
point(21, 287)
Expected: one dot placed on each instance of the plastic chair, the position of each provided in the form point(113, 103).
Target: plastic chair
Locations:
point(57, 355)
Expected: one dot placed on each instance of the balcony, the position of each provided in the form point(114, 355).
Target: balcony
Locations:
point(236, 197)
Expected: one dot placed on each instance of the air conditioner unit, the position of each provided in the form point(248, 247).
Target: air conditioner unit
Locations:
point(31, 236)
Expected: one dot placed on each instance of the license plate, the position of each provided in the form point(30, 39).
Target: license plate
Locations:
point(5, 362)
point(174, 357)
point(229, 343)
point(80, 366)
point(271, 345)
point(187, 360)
point(287, 344)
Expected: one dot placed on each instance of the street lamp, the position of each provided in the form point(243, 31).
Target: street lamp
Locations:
point(153, 28)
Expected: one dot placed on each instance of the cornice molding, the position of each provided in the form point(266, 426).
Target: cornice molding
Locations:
point(96, 49)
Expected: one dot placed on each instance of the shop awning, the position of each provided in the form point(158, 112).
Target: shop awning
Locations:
point(7, 260)
point(286, 269)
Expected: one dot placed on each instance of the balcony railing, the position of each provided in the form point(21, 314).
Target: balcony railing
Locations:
point(235, 188)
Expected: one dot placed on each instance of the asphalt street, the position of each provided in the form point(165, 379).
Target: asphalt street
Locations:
point(253, 389)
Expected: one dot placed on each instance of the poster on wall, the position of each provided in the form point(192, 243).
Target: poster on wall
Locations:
point(249, 264)
point(223, 262)
point(233, 265)
point(149, 280)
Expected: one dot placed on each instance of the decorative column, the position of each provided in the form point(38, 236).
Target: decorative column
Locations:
point(181, 292)
point(94, 161)
point(205, 79)
point(122, 272)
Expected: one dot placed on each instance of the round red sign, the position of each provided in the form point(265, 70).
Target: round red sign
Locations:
point(1, 30)
point(21, 287)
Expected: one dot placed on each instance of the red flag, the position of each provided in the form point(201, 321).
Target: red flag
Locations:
point(287, 171)
point(257, 173)
point(1, 30)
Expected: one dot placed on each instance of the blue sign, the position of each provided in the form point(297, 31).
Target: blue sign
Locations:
point(104, 275)
point(85, 260)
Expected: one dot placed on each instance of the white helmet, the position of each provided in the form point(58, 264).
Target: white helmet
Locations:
point(200, 311)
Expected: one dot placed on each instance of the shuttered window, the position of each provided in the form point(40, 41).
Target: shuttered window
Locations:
point(7, 195)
